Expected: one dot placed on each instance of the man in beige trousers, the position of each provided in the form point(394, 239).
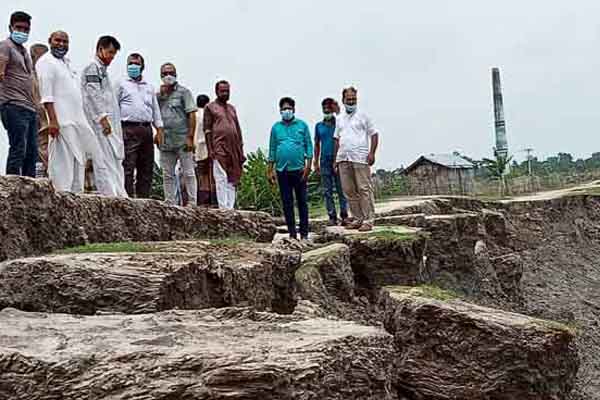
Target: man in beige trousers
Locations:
point(356, 144)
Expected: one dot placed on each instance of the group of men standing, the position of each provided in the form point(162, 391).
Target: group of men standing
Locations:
point(344, 151)
point(88, 118)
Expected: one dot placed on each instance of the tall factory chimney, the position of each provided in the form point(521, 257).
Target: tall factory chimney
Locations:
point(501, 149)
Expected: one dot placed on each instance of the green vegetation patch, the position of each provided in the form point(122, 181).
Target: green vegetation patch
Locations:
point(571, 328)
point(426, 291)
point(388, 233)
point(118, 247)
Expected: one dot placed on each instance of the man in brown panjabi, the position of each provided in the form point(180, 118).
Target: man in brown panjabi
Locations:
point(36, 51)
point(225, 145)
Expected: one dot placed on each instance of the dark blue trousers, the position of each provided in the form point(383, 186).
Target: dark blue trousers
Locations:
point(292, 185)
point(22, 127)
point(330, 182)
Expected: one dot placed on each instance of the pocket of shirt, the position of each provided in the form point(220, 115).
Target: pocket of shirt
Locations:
point(298, 136)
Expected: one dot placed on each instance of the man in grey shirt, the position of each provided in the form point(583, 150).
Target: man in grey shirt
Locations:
point(176, 142)
point(18, 109)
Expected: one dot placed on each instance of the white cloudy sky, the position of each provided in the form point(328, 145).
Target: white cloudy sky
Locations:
point(422, 68)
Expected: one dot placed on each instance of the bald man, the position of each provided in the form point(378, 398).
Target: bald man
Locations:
point(68, 127)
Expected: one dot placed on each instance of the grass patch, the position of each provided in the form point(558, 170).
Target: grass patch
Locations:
point(317, 211)
point(573, 328)
point(118, 247)
point(426, 291)
point(389, 234)
point(593, 191)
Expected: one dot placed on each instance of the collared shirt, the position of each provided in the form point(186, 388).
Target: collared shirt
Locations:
point(290, 145)
point(138, 102)
point(99, 101)
point(324, 133)
point(17, 86)
point(174, 109)
point(59, 85)
point(353, 132)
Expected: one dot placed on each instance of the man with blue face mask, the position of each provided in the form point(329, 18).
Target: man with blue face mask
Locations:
point(290, 154)
point(139, 111)
point(17, 103)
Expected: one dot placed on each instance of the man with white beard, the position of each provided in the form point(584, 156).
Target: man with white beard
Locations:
point(68, 127)
point(101, 108)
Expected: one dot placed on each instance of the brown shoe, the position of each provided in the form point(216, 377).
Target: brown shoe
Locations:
point(365, 227)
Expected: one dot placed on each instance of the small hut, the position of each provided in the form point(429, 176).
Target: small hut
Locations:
point(437, 174)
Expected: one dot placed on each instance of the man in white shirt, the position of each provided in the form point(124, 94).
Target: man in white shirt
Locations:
point(206, 182)
point(67, 125)
point(355, 147)
point(101, 109)
point(139, 110)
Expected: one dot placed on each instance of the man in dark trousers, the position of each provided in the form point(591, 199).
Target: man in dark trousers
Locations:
point(139, 111)
point(290, 154)
point(18, 108)
point(324, 156)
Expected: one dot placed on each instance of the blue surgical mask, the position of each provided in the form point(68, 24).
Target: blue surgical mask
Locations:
point(19, 37)
point(134, 71)
point(287, 115)
point(58, 52)
point(328, 116)
point(350, 108)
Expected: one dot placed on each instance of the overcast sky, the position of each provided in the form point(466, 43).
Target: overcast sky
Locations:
point(422, 68)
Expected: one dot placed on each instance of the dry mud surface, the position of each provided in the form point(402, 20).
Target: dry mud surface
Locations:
point(451, 298)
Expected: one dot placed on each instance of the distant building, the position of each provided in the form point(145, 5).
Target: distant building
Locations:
point(441, 174)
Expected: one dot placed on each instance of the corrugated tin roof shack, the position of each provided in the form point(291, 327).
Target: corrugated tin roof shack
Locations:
point(441, 174)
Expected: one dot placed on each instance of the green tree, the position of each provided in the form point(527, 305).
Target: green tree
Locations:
point(497, 169)
point(157, 191)
point(255, 191)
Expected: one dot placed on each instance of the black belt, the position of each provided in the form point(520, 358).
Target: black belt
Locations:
point(131, 123)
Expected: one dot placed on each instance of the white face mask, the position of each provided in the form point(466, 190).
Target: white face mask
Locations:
point(169, 80)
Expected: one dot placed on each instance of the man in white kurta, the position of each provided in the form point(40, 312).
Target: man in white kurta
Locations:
point(101, 108)
point(68, 127)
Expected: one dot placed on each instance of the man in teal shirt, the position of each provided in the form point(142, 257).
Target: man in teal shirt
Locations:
point(290, 154)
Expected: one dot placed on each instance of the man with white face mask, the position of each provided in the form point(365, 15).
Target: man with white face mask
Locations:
point(176, 142)
point(68, 127)
point(101, 108)
point(355, 147)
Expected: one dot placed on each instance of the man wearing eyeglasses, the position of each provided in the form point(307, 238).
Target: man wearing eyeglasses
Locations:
point(176, 141)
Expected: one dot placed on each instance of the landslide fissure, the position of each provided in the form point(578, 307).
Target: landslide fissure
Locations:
point(538, 258)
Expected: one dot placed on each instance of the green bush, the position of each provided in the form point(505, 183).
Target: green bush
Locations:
point(255, 191)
